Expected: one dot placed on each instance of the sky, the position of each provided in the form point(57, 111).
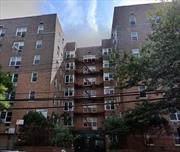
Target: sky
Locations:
point(83, 21)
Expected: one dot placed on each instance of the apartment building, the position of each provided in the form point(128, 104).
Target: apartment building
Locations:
point(31, 50)
point(130, 28)
point(88, 86)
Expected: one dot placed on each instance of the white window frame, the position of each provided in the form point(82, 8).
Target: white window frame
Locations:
point(34, 75)
point(70, 92)
point(4, 120)
point(109, 90)
point(134, 36)
point(107, 77)
point(20, 31)
point(89, 68)
point(70, 66)
point(109, 105)
point(89, 93)
point(70, 55)
point(70, 79)
point(141, 90)
point(40, 28)
point(39, 44)
point(18, 45)
point(16, 59)
point(177, 116)
point(89, 81)
point(44, 112)
point(90, 122)
point(13, 76)
point(89, 109)
point(135, 52)
point(132, 19)
point(69, 125)
point(36, 59)
point(105, 63)
point(2, 32)
point(30, 93)
point(69, 106)
point(89, 58)
point(106, 51)
point(176, 138)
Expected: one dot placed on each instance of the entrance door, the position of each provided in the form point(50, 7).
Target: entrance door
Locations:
point(89, 143)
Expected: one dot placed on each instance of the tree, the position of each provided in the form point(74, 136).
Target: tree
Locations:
point(5, 87)
point(116, 129)
point(158, 67)
point(36, 131)
point(62, 137)
point(142, 121)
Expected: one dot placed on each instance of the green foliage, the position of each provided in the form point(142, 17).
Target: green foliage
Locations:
point(36, 131)
point(5, 86)
point(39, 131)
point(62, 137)
point(116, 129)
point(145, 117)
point(158, 66)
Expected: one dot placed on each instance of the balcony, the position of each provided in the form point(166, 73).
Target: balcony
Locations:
point(80, 85)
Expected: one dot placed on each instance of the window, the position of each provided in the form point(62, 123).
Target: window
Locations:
point(68, 121)
point(90, 122)
point(2, 32)
point(175, 116)
point(68, 106)
point(6, 117)
point(15, 61)
point(69, 78)
point(108, 76)
point(148, 140)
point(34, 76)
point(90, 93)
point(40, 28)
point(38, 44)
point(134, 36)
point(70, 54)
point(142, 91)
point(132, 19)
point(18, 46)
point(108, 90)
point(89, 69)
point(32, 95)
point(106, 51)
point(14, 78)
point(109, 105)
point(89, 58)
point(21, 31)
point(70, 66)
point(11, 95)
point(89, 81)
point(44, 112)
point(177, 137)
point(135, 52)
point(69, 92)
point(89, 109)
point(107, 64)
point(157, 19)
point(36, 59)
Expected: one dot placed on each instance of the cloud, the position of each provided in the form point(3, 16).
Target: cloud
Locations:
point(73, 13)
point(91, 15)
point(19, 8)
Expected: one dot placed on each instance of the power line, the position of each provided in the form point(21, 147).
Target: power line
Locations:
point(81, 105)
